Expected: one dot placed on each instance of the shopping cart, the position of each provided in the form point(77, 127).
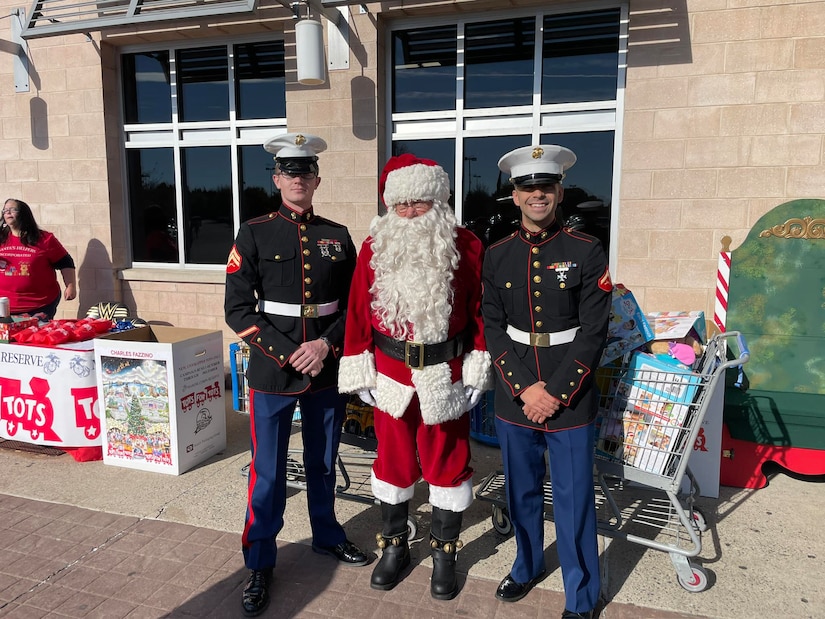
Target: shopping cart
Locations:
point(650, 415)
point(358, 443)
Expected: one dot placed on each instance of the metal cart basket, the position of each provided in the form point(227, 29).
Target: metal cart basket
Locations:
point(650, 414)
point(358, 442)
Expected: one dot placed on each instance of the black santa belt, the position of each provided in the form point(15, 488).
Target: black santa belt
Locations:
point(416, 355)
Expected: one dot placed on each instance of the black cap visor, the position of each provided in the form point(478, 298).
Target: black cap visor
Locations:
point(297, 165)
point(539, 178)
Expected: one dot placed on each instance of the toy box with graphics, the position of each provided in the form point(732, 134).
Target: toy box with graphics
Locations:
point(649, 414)
point(628, 329)
point(161, 397)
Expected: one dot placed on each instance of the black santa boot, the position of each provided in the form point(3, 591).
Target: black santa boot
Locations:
point(394, 543)
point(444, 542)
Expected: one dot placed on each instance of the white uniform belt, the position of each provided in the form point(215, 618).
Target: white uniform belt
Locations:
point(543, 340)
point(298, 310)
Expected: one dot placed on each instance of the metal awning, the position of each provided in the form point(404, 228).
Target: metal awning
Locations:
point(53, 17)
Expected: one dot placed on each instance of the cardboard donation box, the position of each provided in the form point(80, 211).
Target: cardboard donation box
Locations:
point(162, 397)
point(48, 395)
point(628, 328)
point(650, 415)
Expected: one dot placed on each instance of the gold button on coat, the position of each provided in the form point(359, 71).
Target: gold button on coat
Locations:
point(537, 279)
point(536, 264)
point(535, 250)
point(561, 285)
point(307, 294)
point(308, 266)
point(539, 323)
point(306, 252)
point(508, 285)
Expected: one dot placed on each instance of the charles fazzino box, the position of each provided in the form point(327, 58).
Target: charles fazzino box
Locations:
point(162, 400)
point(628, 329)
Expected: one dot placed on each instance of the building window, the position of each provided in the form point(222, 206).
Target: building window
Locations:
point(465, 93)
point(195, 119)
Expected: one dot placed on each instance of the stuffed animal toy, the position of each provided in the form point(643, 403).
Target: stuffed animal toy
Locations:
point(685, 349)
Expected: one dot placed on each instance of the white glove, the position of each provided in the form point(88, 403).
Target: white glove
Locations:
point(473, 396)
point(367, 396)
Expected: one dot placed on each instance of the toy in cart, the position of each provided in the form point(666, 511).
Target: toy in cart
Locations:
point(650, 414)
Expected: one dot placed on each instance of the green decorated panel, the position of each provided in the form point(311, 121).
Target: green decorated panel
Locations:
point(777, 300)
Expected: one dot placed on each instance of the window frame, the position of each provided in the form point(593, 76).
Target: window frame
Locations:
point(176, 134)
point(533, 121)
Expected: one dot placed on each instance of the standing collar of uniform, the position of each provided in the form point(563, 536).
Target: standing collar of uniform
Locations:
point(542, 235)
point(294, 216)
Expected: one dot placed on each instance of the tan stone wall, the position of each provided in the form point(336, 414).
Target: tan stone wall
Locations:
point(53, 152)
point(724, 119)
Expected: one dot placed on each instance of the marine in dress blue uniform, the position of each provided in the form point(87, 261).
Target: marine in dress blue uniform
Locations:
point(546, 305)
point(287, 285)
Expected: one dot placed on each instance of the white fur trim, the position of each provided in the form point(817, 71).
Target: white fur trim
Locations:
point(440, 399)
point(476, 370)
point(454, 499)
point(392, 397)
point(387, 493)
point(356, 372)
point(417, 182)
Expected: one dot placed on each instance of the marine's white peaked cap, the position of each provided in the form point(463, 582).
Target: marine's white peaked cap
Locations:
point(531, 165)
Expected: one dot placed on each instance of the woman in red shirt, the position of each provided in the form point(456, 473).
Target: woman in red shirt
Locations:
point(29, 259)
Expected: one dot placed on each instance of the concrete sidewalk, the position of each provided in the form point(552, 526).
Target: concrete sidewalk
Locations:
point(92, 540)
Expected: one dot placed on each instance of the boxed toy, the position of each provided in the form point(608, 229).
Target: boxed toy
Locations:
point(678, 325)
point(628, 328)
point(162, 397)
point(649, 415)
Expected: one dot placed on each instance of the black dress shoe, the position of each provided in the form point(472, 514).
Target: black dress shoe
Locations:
point(255, 593)
point(346, 552)
point(511, 591)
point(569, 614)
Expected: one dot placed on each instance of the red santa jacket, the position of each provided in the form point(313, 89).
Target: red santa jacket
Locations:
point(440, 387)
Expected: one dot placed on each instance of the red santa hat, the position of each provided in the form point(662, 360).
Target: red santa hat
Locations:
point(406, 178)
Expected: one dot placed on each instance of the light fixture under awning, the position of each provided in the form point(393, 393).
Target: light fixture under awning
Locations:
point(55, 17)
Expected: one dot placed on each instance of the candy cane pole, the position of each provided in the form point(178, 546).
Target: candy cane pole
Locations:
point(722, 283)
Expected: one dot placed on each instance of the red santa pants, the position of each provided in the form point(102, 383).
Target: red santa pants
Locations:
point(408, 449)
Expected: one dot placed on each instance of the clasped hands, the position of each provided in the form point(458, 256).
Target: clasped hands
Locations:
point(309, 357)
point(539, 406)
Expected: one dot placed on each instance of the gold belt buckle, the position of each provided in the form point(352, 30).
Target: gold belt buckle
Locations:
point(409, 347)
point(542, 340)
point(309, 311)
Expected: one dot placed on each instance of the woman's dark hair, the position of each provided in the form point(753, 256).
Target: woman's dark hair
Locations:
point(29, 230)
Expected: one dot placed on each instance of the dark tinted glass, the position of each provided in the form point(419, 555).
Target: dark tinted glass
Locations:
point(207, 204)
point(498, 63)
point(580, 57)
point(260, 80)
point(588, 184)
point(203, 90)
point(425, 69)
point(488, 208)
point(147, 95)
point(259, 195)
point(152, 198)
point(440, 151)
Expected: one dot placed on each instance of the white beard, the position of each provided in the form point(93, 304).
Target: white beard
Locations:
point(415, 262)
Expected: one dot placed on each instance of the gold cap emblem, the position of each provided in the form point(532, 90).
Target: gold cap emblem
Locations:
point(300, 140)
point(538, 152)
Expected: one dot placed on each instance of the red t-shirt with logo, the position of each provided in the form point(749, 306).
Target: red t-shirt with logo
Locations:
point(27, 274)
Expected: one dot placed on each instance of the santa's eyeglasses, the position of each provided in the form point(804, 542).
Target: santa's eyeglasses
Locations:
point(420, 206)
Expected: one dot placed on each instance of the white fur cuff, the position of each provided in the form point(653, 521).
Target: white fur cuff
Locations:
point(476, 370)
point(454, 499)
point(387, 493)
point(356, 372)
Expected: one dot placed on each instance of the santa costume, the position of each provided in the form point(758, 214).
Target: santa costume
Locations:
point(414, 345)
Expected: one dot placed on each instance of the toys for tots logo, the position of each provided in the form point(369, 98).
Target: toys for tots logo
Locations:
point(27, 412)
